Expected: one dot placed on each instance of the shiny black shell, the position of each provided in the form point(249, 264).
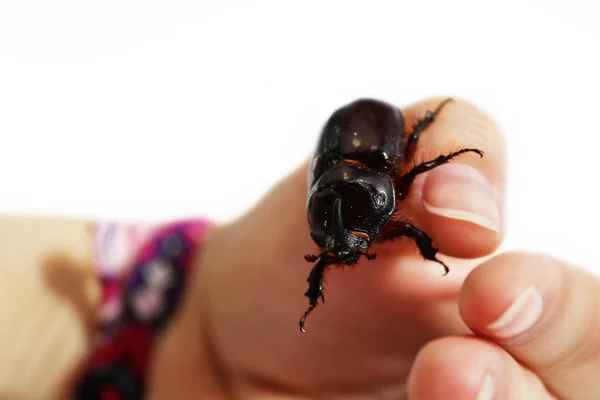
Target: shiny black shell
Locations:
point(358, 152)
point(368, 131)
point(368, 202)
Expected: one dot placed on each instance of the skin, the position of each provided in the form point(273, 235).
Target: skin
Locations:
point(392, 328)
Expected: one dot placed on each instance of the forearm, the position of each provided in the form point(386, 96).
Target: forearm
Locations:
point(50, 291)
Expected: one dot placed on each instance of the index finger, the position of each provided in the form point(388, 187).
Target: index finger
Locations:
point(460, 204)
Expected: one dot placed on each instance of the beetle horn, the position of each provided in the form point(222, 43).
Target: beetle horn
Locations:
point(338, 225)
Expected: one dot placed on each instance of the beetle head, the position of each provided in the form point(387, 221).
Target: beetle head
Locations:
point(347, 246)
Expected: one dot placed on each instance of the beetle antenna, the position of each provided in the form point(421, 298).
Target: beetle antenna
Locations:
point(313, 258)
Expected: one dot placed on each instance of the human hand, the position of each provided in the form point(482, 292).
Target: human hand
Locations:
point(236, 335)
point(536, 329)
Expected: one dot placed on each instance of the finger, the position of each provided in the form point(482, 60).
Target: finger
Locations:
point(253, 276)
point(250, 284)
point(460, 204)
point(471, 368)
point(277, 227)
point(544, 313)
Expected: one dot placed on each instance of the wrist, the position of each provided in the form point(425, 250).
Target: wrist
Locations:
point(186, 362)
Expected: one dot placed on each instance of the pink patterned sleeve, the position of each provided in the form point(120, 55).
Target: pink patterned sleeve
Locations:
point(143, 270)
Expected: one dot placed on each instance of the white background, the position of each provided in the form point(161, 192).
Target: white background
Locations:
point(147, 110)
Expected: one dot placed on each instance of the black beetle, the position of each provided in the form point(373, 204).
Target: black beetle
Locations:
point(356, 183)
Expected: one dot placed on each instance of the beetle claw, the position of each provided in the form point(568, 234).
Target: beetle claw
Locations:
point(303, 319)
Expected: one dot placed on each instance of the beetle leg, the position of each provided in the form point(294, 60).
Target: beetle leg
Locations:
point(315, 289)
point(315, 282)
point(420, 126)
point(405, 182)
point(396, 229)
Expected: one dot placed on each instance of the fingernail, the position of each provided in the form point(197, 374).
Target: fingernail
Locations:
point(461, 192)
point(521, 315)
point(487, 390)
